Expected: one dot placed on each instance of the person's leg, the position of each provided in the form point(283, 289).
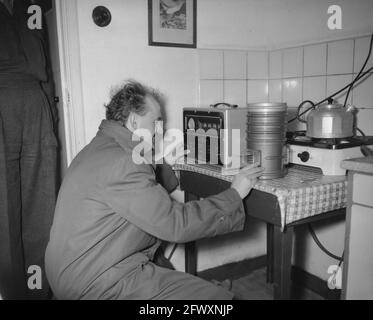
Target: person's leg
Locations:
point(38, 176)
point(13, 284)
point(153, 282)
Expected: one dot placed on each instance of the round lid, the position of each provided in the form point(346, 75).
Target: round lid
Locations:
point(267, 106)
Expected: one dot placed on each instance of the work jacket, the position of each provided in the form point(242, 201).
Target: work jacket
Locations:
point(111, 215)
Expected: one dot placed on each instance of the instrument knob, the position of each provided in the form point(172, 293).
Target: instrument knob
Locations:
point(304, 156)
point(191, 124)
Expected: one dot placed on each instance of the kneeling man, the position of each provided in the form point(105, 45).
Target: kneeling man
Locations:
point(112, 214)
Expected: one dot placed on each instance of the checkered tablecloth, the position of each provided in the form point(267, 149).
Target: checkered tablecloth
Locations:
point(302, 193)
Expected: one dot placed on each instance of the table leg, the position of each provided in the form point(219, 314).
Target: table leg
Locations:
point(191, 258)
point(190, 247)
point(283, 245)
point(270, 229)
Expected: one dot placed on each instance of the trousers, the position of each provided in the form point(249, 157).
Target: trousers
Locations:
point(28, 187)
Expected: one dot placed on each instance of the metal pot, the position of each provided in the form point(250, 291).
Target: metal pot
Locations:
point(330, 121)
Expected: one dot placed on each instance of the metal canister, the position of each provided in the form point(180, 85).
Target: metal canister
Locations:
point(266, 132)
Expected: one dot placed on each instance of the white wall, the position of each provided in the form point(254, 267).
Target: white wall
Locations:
point(271, 24)
point(120, 51)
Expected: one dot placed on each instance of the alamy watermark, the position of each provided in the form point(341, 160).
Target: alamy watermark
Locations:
point(169, 147)
point(34, 281)
point(35, 20)
point(335, 19)
point(335, 278)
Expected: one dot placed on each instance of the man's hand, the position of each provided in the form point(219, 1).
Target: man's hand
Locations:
point(245, 180)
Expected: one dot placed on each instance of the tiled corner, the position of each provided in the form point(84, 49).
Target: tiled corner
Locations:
point(210, 92)
point(364, 119)
point(363, 93)
point(315, 60)
point(210, 64)
point(257, 65)
point(292, 63)
point(335, 83)
point(275, 91)
point(235, 92)
point(275, 64)
point(234, 64)
point(314, 88)
point(257, 91)
point(361, 53)
point(292, 91)
point(340, 57)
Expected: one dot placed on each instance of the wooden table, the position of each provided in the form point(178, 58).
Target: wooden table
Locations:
point(263, 206)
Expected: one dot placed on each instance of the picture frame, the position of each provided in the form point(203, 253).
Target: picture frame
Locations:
point(172, 23)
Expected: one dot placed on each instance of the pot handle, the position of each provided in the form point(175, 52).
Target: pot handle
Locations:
point(300, 107)
point(216, 105)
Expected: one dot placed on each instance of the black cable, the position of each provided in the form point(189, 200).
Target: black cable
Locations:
point(300, 107)
point(365, 150)
point(333, 95)
point(316, 239)
point(361, 132)
point(172, 252)
point(361, 70)
point(349, 86)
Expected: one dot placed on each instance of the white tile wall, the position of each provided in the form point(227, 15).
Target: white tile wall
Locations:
point(296, 74)
point(257, 91)
point(293, 63)
point(226, 75)
point(365, 121)
point(363, 94)
point(235, 92)
point(315, 60)
point(340, 57)
point(334, 83)
point(314, 88)
point(361, 53)
point(235, 64)
point(211, 92)
point(275, 64)
point(257, 65)
point(210, 64)
point(292, 91)
point(275, 91)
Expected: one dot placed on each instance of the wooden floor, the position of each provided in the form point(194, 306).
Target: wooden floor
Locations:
point(254, 287)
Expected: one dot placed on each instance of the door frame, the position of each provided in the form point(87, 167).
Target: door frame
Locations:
point(71, 76)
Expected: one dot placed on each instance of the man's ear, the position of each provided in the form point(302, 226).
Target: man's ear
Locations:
point(132, 121)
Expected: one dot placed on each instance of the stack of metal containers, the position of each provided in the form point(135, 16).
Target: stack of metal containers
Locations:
point(266, 131)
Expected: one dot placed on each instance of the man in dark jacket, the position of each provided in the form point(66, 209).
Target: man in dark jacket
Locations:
point(27, 155)
point(111, 215)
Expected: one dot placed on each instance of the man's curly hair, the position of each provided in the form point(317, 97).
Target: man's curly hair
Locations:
point(130, 98)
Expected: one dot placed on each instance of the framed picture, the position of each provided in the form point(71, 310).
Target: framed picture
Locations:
point(172, 23)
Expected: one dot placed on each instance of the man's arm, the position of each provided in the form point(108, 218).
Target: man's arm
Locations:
point(133, 193)
point(166, 177)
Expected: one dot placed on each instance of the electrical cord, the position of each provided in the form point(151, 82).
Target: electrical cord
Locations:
point(172, 252)
point(331, 96)
point(316, 239)
point(360, 72)
point(360, 75)
point(320, 245)
point(300, 107)
point(361, 132)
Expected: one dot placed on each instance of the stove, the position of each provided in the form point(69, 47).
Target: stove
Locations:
point(325, 154)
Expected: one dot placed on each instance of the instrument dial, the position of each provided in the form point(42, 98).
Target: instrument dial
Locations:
point(191, 124)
